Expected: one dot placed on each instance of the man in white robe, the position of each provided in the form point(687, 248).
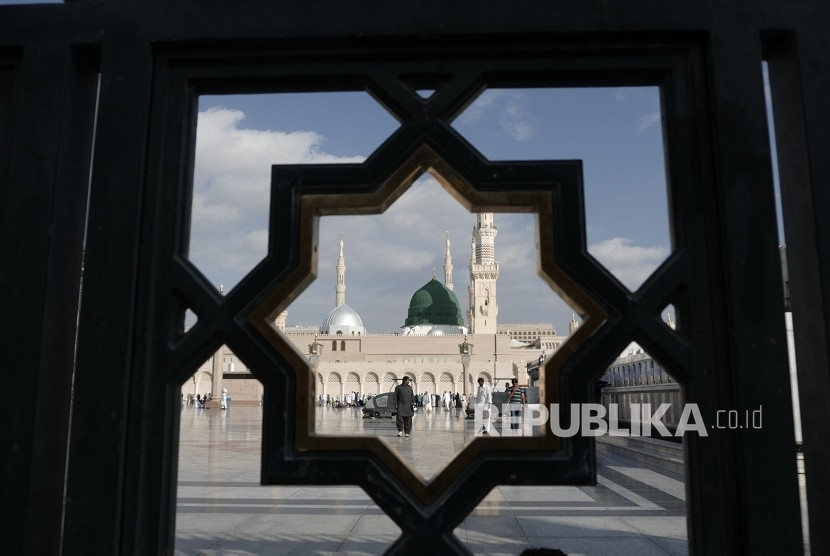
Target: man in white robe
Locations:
point(484, 399)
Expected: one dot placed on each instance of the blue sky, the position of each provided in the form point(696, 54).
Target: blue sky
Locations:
point(615, 131)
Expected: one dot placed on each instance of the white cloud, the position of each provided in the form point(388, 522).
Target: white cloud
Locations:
point(232, 180)
point(394, 258)
point(515, 120)
point(480, 107)
point(505, 107)
point(388, 256)
point(631, 264)
point(650, 120)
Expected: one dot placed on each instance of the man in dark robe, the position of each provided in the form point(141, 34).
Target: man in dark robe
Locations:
point(404, 406)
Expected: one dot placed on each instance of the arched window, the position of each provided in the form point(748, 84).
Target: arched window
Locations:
point(334, 345)
point(342, 345)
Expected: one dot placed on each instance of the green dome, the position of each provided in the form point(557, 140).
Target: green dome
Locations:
point(434, 303)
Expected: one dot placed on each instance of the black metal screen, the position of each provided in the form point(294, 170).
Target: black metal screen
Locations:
point(98, 104)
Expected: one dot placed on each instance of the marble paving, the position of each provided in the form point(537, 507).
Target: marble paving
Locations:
point(634, 509)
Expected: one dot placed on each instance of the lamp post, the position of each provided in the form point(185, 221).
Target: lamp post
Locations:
point(314, 350)
point(466, 350)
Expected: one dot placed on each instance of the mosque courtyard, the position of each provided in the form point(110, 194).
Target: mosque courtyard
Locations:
point(222, 509)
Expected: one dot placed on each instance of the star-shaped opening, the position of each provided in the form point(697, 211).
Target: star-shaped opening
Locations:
point(378, 330)
point(540, 198)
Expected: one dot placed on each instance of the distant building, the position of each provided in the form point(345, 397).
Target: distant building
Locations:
point(426, 349)
point(635, 377)
point(539, 335)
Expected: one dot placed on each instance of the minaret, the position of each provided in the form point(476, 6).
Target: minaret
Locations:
point(448, 265)
point(280, 320)
point(340, 287)
point(470, 287)
point(484, 271)
point(573, 325)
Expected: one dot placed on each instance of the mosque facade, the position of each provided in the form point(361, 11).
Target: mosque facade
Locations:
point(350, 360)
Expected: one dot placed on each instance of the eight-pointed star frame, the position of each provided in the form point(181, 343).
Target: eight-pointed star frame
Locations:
point(301, 194)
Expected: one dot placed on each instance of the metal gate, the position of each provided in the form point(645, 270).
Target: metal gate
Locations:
point(97, 120)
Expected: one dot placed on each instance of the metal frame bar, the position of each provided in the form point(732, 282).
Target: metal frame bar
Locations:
point(723, 277)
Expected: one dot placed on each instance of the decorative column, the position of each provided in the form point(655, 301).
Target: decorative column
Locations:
point(217, 372)
point(315, 349)
point(466, 350)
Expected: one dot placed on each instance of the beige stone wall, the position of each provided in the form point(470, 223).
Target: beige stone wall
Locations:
point(370, 363)
point(243, 391)
point(374, 363)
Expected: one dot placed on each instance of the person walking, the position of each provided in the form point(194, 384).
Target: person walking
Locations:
point(516, 399)
point(404, 407)
point(484, 397)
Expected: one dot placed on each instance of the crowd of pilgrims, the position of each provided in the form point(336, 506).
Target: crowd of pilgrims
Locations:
point(426, 400)
point(196, 401)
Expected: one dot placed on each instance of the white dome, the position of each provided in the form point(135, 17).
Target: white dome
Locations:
point(342, 319)
point(435, 332)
